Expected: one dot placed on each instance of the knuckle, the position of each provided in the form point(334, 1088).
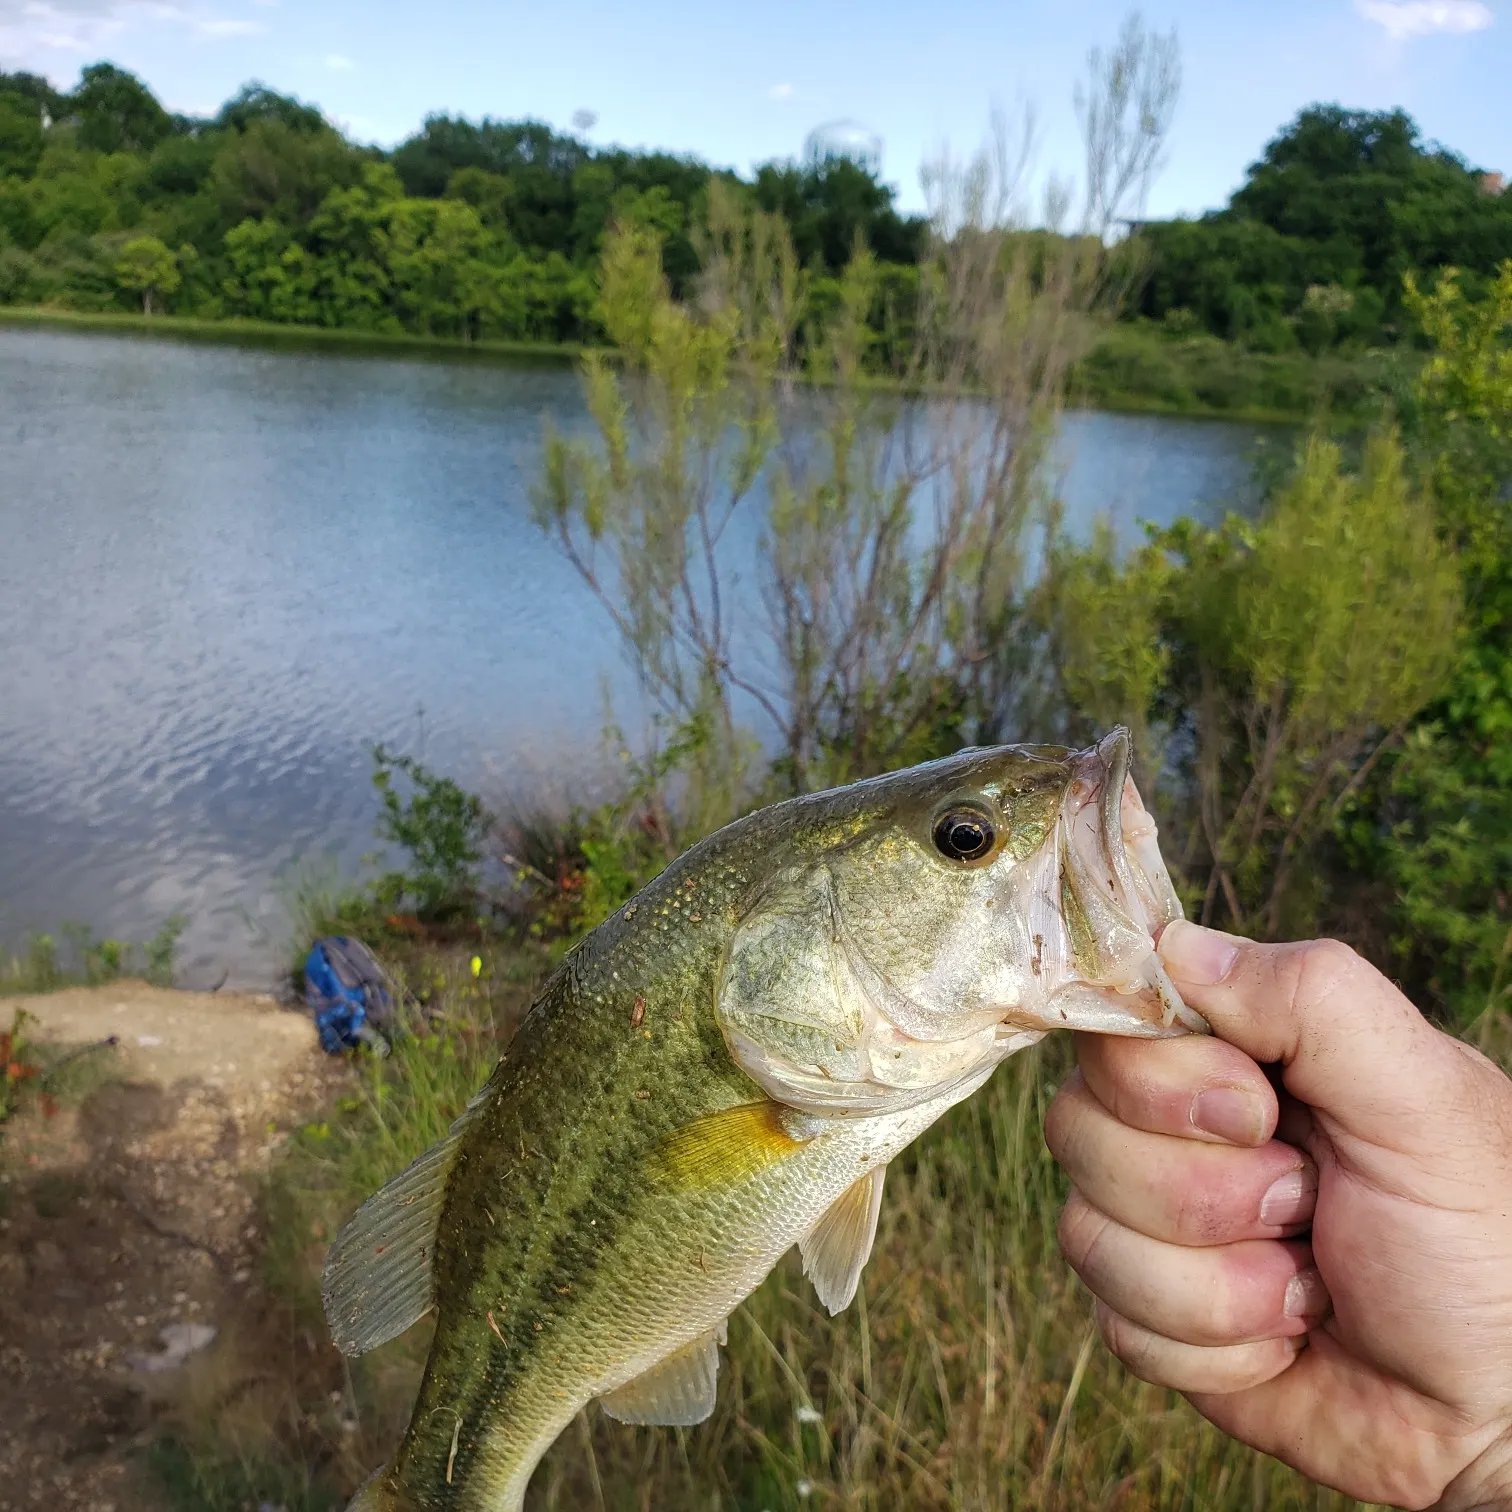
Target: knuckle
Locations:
point(1136, 1349)
point(1080, 1228)
point(1324, 968)
point(1064, 1117)
point(1116, 1334)
point(1250, 1365)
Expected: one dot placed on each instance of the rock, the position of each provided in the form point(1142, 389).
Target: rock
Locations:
point(180, 1340)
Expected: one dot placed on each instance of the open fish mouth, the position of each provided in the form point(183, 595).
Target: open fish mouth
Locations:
point(1101, 897)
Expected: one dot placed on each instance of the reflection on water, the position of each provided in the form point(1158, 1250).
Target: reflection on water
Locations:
point(224, 573)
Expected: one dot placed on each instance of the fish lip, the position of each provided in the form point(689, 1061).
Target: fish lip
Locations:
point(1149, 901)
point(1115, 751)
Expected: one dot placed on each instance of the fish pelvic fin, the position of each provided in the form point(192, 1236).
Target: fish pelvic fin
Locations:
point(378, 1275)
point(676, 1393)
point(839, 1245)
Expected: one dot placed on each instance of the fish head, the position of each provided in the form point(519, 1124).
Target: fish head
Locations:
point(945, 916)
point(1018, 885)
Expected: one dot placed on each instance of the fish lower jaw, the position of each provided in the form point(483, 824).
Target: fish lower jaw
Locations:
point(1138, 1001)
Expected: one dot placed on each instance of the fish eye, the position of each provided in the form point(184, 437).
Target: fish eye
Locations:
point(964, 833)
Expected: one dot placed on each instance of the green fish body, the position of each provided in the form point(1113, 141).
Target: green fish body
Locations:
point(724, 1069)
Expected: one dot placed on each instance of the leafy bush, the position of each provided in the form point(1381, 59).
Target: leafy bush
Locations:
point(444, 829)
point(1266, 669)
point(1435, 832)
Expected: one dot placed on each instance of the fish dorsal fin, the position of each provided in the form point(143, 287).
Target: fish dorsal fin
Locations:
point(377, 1278)
point(838, 1246)
point(677, 1393)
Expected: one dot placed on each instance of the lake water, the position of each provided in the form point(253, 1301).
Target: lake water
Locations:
point(225, 573)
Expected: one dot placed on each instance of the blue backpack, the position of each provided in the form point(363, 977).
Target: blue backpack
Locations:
point(348, 992)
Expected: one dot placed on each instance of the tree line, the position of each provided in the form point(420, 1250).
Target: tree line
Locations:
point(490, 229)
point(1314, 247)
point(494, 229)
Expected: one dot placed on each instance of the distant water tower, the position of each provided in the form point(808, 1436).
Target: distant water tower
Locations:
point(844, 139)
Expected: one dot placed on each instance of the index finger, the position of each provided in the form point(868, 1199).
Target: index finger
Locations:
point(1194, 1088)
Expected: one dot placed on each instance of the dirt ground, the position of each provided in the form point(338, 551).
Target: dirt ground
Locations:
point(130, 1210)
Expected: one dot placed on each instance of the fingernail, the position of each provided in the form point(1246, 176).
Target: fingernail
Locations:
point(1230, 1114)
point(1306, 1296)
point(1290, 1199)
point(1197, 955)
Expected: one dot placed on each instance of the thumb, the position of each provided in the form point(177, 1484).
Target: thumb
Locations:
point(1350, 1044)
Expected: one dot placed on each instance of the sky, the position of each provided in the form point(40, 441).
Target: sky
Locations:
point(739, 85)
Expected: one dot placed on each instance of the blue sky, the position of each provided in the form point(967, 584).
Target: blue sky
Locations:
point(741, 84)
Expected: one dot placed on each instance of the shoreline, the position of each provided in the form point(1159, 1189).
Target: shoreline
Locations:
point(266, 334)
point(271, 336)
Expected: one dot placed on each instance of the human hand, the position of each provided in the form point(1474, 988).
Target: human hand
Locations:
point(1373, 1354)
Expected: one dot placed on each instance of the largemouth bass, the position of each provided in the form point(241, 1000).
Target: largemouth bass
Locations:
point(724, 1069)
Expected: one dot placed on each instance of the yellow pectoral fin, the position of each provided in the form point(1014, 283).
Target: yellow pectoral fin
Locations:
point(725, 1148)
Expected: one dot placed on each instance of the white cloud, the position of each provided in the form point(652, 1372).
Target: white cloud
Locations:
point(339, 63)
point(781, 92)
point(32, 29)
point(1402, 19)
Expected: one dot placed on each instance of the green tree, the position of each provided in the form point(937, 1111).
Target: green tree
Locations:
point(271, 276)
point(488, 193)
point(348, 240)
point(538, 162)
point(34, 89)
point(147, 268)
point(1341, 199)
point(256, 102)
point(831, 207)
point(20, 135)
point(116, 112)
point(444, 263)
point(273, 168)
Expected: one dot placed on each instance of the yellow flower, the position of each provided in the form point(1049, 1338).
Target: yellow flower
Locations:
point(477, 966)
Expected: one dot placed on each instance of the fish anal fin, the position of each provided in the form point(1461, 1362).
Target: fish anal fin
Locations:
point(725, 1147)
point(837, 1247)
point(377, 1280)
point(677, 1393)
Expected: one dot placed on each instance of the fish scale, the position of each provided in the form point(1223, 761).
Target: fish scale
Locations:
point(693, 1092)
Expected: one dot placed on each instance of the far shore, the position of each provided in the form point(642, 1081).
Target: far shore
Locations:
point(268, 335)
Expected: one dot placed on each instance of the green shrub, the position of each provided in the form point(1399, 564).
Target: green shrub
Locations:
point(444, 829)
point(1273, 664)
point(1434, 832)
